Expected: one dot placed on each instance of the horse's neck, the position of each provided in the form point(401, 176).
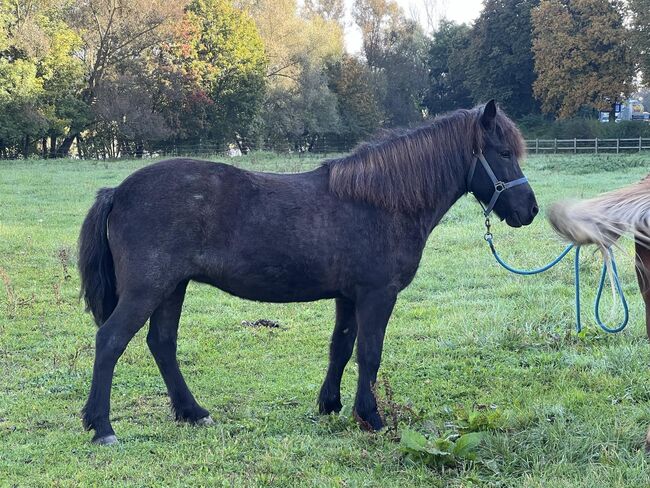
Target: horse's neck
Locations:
point(429, 218)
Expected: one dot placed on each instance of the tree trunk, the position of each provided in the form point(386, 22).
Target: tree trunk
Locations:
point(612, 113)
point(53, 146)
point(26, 147)
point(44, 147)
point(79, 151)
point(139, 149)
point(64, 148)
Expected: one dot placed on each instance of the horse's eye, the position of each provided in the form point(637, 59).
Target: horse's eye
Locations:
point(506, 154)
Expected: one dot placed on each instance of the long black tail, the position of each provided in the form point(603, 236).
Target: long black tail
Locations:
point(95, 259)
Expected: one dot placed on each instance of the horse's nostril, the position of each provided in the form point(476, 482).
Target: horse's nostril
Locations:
point(535, 210)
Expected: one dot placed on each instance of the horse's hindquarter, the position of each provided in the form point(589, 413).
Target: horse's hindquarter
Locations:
point(259, 236)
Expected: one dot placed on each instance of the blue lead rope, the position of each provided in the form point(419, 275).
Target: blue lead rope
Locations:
point(576, 265)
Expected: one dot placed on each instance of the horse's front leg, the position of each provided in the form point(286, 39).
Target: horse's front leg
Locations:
point(373, 309)
point(343, 337)
point(643, 275)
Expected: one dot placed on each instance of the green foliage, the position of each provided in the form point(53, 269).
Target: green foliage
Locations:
point(301, 114)
point(541, 127)
point(499, 58)
point(359, 109)
point(225, 55)
point(480, 419)
point(639, 11)
point(439, 452)
point(447, 67)
point(395, 49)
point(403, 75)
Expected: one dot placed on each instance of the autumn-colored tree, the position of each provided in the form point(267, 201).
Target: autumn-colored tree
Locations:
point(226, 55)
point(582, 55)
point(111, 33)
point(290, 39)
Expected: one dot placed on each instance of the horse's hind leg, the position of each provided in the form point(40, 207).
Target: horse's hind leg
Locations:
point(343, 337)
point(162, 340)
point(643, 275)
point(111, 340)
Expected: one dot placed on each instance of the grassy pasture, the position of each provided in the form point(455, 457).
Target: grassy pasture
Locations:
point(465, 336)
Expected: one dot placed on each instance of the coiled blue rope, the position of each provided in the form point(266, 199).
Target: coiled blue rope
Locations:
point(489, 238)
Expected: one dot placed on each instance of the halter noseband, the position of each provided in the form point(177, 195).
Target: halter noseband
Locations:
point(499, 186)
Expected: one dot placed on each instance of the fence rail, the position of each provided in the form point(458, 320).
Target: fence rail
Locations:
point(587, 146)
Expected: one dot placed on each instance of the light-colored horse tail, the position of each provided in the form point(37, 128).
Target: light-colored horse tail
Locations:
point(603, 219)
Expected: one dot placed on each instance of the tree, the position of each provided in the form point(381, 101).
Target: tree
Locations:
point(38, 72)
point(377, 19)
point(299, 103)
point(359, 110)
point(113, 32)
point(447, 67)
point(329, 10)
point(304, 114)
point(225, 55)
point(396, 51)
point(403, 65)
point(499, 59)
point(290, 39)
point(582, 55)
point(640, 33)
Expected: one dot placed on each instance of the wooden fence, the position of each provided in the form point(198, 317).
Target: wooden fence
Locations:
point(587, 146)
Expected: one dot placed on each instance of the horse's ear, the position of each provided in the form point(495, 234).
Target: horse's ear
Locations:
point(489, 115)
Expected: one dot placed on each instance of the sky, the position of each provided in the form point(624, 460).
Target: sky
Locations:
point(456, 10)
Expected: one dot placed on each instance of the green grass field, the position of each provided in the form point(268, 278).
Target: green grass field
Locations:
point(469, 347)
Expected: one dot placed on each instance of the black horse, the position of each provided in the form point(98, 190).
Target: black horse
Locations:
point(353, 230)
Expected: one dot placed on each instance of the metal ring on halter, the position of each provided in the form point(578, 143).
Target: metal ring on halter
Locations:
point(500, 187)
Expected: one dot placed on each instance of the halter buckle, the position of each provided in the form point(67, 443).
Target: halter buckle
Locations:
point(500, 187)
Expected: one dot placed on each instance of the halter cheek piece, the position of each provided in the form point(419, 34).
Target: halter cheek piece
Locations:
point(499, 186)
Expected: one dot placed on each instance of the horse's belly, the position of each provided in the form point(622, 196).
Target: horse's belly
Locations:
point(280, 283)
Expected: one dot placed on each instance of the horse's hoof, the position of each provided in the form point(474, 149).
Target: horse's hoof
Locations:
point(205, 421)
point(107, 440)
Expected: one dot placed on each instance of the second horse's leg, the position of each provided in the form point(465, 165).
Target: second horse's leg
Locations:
point(162, 341)
point(643, 275)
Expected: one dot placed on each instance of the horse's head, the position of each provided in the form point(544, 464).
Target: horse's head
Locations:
point(496, 177)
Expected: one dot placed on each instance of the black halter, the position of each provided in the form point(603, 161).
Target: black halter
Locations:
point(499, 186)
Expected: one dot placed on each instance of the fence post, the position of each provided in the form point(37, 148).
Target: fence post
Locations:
point(639, 143)
point(554, 146)
point(575, 145)
point(618, 145)
point(536, 146)
point(596, 145)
